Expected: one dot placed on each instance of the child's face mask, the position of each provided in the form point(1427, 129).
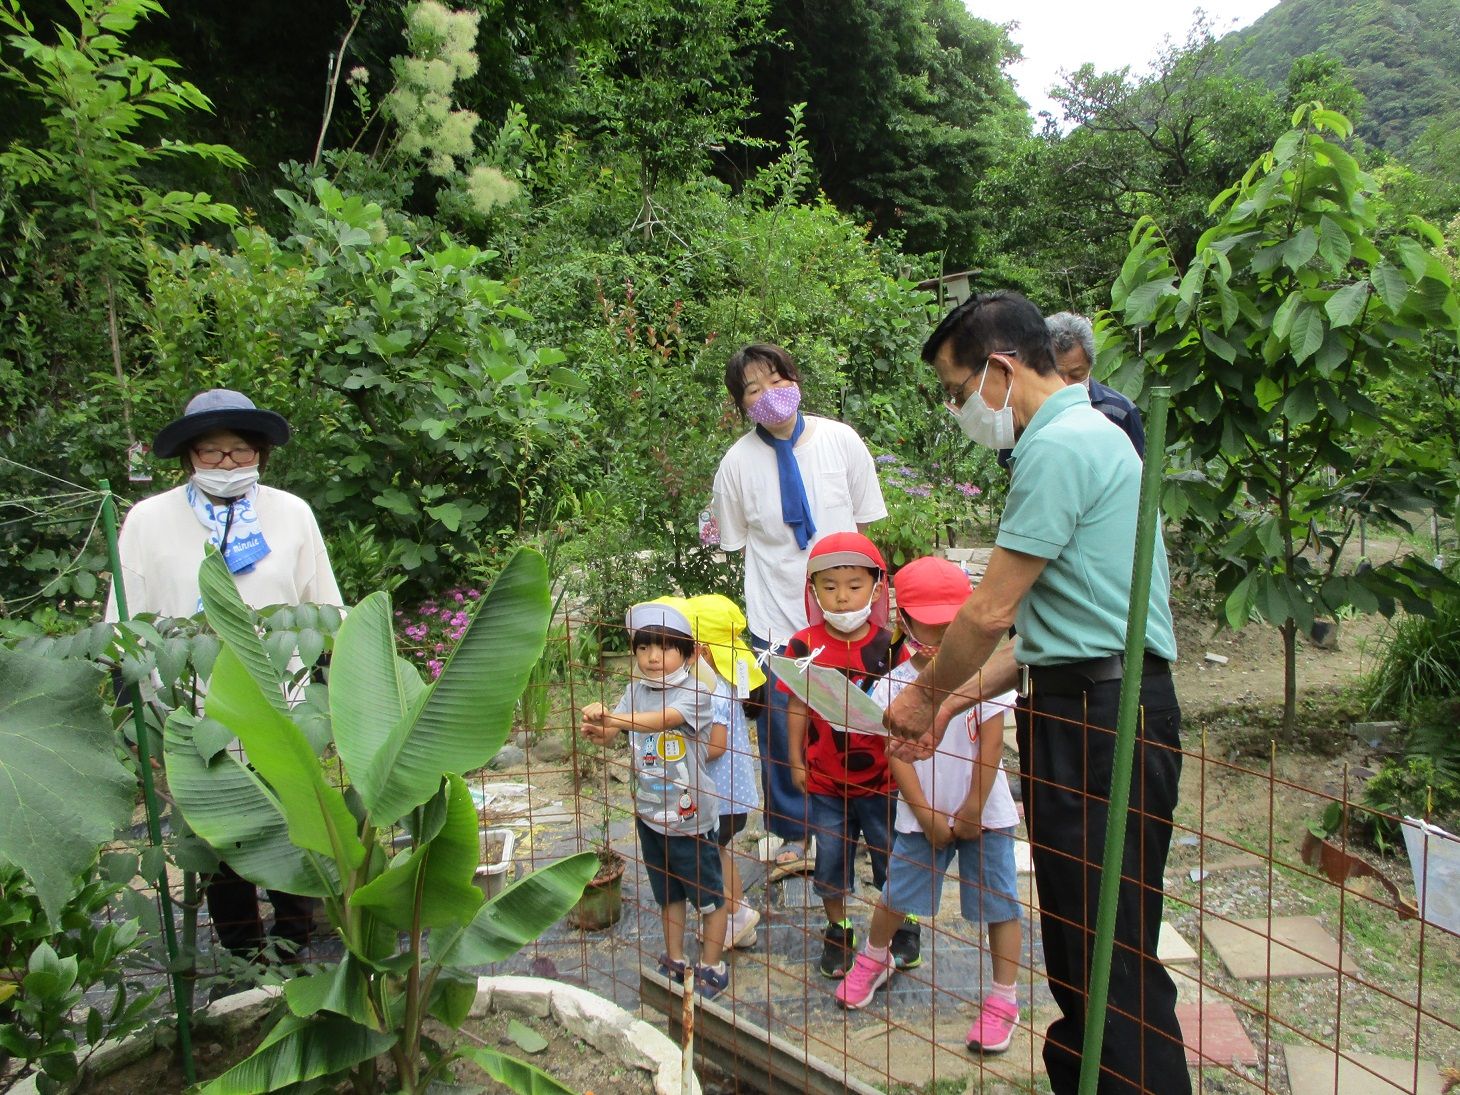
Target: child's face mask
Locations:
point(660, 666)
point(916, 645)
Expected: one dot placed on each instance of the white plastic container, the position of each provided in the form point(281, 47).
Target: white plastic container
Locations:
point(494, 874)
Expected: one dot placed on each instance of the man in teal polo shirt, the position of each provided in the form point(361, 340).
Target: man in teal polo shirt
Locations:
point(1060, 574)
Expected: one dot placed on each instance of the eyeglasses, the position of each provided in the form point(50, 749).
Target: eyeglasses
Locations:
point(241, 456)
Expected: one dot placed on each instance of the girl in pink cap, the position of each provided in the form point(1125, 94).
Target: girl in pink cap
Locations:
point(956, 802)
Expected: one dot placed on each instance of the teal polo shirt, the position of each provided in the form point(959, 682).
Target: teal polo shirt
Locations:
point(1073, 500)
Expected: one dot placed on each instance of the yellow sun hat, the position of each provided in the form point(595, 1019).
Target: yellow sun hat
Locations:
point(719, 625)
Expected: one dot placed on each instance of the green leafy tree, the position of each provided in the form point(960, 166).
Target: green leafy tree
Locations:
point(411, 921)
point(664, 81)
point(1273, 340)
point(83, 176)
point(907, 105)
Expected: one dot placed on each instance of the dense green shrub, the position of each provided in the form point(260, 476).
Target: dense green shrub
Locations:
point(420, 411)
point(1419, 661)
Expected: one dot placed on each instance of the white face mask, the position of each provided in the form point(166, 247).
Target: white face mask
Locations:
point(982, 424)
point(849, 621)
point(670, 680)
point(225, 482)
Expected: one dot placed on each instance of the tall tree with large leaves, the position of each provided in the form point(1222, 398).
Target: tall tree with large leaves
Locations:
point(906, 102)
point(1274, 340)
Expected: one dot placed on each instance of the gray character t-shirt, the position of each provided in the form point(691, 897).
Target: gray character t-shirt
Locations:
point(672, 791)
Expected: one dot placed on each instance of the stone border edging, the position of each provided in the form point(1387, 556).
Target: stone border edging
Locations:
point(601, 1023)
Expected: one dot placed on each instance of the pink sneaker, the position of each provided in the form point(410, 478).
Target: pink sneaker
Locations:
point(993, 1030)
point(865, 977)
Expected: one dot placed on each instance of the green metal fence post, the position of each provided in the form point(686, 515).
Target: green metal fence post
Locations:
point(180, 997)
point(1125, 739)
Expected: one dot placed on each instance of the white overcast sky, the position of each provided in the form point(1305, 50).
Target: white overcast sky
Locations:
point(1060, 35)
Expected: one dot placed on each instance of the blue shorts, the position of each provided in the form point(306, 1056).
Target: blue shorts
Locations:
point(837, 824)
point(988, 881)
point(682, 868)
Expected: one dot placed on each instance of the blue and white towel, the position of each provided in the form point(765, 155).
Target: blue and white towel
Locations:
point(246, 544)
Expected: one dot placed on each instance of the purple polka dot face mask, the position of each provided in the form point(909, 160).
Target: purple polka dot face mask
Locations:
point(776, 405)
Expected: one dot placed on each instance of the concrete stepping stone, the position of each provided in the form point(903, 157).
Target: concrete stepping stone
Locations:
point(1214, 1035)
point(1317, 1070)
point(1299, 947)
point(1172, 948)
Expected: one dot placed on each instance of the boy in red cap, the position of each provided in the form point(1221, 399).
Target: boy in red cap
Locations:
point(956, 801)
point(843, 775)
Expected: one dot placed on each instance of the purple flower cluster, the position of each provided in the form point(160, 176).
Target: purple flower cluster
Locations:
point(434, 627)
point(886, 458)
point(968, 490)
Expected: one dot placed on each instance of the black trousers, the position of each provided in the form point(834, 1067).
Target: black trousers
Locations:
point(233, 906)
point(1066, 740)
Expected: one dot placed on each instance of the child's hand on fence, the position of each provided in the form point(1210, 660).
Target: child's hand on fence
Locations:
point(593, 727)
point(798, 776)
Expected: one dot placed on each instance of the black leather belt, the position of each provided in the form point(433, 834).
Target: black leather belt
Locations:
point(1076, 677)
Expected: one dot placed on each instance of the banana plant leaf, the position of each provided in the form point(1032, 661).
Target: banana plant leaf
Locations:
point(432, 881)
point(342, 989)
point(519, 914)
point(461, 720)
point(317, 815)
point(297, 1050)
point(231, 808)
point(235, 624)
point(63, 793)
point(521, 1077)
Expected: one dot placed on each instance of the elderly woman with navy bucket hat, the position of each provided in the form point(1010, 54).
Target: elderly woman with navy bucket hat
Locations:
point(273, 548)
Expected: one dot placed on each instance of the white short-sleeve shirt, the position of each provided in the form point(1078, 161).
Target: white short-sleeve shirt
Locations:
point(947, 775)
point(842, 487)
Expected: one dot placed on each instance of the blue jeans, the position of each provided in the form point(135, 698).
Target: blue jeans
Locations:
point(988, 882)
point(839, 822)
point(785, 805)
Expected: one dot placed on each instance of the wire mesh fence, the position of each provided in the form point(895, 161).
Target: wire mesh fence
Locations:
point(1297, 963)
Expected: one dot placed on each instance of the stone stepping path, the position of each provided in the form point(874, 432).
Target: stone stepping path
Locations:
point(1214, 1035)
point(1299, 947)
point(1318, 1070)
point(1172, 947)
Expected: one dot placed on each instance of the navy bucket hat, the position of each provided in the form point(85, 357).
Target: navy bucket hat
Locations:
point(219, 409)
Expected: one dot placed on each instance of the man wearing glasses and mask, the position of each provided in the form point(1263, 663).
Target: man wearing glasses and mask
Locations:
point(1061, 572)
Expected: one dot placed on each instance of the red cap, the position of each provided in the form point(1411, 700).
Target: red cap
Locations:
point(931, 590)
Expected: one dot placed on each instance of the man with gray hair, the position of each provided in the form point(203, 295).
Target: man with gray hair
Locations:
point(1074, 357)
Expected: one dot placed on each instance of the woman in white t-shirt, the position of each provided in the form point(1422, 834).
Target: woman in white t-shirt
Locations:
point(273, 548)
point(954, 803)
point(790, 479)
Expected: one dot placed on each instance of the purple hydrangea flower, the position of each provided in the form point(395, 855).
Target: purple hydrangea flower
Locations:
point(886, 458)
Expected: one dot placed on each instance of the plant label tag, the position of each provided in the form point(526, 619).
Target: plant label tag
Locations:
point(139, 462)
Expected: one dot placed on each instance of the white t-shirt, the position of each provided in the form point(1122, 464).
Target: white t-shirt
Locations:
point(947, 775)
point(841, 484)
point(161, 546)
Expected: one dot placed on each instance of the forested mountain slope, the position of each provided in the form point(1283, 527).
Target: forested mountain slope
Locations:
point(1402, 55)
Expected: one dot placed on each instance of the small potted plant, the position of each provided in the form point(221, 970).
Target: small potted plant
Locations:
point(602, 903)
